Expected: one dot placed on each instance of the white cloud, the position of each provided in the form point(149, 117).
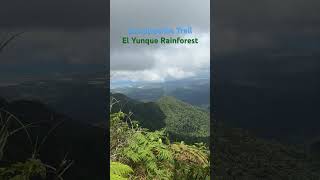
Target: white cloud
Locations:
point(162, 63)
point(159, 62)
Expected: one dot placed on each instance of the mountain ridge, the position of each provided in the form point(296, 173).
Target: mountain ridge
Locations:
point(179, 118)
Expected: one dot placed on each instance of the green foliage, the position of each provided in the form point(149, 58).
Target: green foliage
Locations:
point(121, 132)
point(191, 161)
point(184, 119)
point(119, 171)
point(23, 171)
point(141, 111)
point(151, 155)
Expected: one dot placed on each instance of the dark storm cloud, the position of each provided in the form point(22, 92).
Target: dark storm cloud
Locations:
point(249, 24)
point(56, 13)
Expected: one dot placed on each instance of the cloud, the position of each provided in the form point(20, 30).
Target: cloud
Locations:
point(128, 60)
point(159, 62)
point(165, 63)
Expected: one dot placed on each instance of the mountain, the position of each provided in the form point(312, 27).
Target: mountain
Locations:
point(275, 97)
point(240, 155)
point(148, 114)
point(81, 142)
point(182, 120)
point(81, 98)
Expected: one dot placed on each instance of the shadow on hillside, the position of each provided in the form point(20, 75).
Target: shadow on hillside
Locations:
point(148, 114)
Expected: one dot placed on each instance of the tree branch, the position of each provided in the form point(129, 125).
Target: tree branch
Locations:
point(6, 42)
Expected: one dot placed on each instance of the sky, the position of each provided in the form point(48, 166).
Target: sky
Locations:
point(159, 62)
point(260, 39)
point(75, 32)
point(59, 32)
point(241, 26)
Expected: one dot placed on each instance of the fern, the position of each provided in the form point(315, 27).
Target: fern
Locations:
point(191, 162)
point(147, 153)
point(151, 155)
point(119, 171)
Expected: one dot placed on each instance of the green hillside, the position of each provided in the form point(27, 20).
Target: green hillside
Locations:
point(183, 121)
point(148, 114)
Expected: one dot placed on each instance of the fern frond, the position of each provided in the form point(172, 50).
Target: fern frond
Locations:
point(120, 171)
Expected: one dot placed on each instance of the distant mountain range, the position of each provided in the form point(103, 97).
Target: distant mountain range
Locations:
point(81, 98)
point(195, 91)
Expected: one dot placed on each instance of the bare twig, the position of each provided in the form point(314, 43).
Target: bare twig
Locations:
point(7, 41)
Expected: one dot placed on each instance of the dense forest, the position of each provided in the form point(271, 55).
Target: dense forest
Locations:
point(182, 121)
point(240, 155)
